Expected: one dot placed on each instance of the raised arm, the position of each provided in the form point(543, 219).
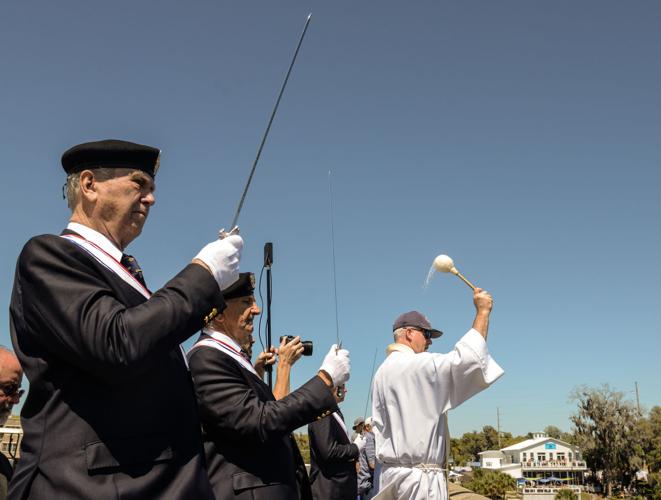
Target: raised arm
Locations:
point(288, 354)
point(483, 305)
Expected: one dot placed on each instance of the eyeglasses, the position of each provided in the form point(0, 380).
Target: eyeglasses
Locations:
point(425, 333)
point(12, 390)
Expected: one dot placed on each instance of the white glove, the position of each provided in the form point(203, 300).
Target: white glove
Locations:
point(222, 257)
point(337, 365)
point(360, 442)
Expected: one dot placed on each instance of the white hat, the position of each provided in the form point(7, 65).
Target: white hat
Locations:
point(369, 421)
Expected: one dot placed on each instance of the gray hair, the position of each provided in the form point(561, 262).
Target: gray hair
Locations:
point(400, 332)
point(100, 174)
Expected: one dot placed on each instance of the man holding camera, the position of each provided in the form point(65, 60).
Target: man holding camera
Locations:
point(247, 432)
point(291, 349)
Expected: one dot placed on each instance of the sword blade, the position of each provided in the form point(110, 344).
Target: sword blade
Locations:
point(268, 126)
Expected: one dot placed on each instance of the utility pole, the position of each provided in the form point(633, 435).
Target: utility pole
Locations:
point(638, 399)
point(498, 420)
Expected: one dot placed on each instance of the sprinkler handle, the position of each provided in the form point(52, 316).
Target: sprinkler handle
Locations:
point(461, 276)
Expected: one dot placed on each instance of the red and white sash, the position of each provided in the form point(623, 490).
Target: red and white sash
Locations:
point(114, 266)
point(108, 261)
point(223, 343)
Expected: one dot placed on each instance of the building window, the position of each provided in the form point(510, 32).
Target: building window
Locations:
point(524, 456)
point(541, 456)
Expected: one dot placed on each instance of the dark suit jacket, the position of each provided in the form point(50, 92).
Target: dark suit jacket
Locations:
point(332, 461)
point(6, 471)
point(111, 411)
point(247, 434)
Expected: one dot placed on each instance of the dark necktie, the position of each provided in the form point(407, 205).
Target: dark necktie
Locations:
point(246, 356)
point(131, 265)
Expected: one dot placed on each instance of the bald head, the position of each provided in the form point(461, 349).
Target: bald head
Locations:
point(11, 376)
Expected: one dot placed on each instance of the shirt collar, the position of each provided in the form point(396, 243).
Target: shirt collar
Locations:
point(398, 348)
point(222, 337)
point(97, 238)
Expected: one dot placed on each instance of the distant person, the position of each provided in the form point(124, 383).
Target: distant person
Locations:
point(250, 450)
point(332, 456)
point(110, 412)
point(412, 393)
point(11, 376)
point(366, 462)
point(357, 429)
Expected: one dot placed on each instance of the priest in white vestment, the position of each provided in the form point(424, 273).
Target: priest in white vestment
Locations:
point(412, 392)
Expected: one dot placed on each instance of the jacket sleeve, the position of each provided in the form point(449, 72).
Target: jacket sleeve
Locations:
point(324, 438)
point(67, 307)
point(230, 406)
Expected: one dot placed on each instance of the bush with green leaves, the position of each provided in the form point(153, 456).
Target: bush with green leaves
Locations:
point(491, 483)
point(565, 494)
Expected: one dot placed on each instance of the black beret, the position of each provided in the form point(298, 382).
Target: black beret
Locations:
point(111, 153)
point(243, 287)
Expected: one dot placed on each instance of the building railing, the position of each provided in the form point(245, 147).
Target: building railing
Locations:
point(550, 489)
point(554, 464)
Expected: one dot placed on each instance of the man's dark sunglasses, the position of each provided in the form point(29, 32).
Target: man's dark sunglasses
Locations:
point(12, 390)
point(425, 333)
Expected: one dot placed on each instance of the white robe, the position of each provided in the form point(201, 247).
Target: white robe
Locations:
point(410, 397)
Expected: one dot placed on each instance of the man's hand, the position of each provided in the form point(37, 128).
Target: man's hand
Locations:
point(264, 359)
point(290, 352)
point(336, 366)
point(221, 258)
point(483, 305)
point(482, 300)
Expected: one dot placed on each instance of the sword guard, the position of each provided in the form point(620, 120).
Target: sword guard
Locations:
point(222, 234)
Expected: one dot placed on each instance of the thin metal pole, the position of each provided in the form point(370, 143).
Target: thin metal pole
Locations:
point(268, 127)
point(332, 227)
point(269, 372)
point(369, 391)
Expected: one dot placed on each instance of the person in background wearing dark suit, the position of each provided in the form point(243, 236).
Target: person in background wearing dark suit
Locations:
point(332, 457)
point(110, 412)
point(11, 376)
point(251, 453)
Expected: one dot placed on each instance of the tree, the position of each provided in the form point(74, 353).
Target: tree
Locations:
point(650, 430)
point(490, 435)
point(606, 429)
point(491, 483)
point(303, 445)
point(565, 494)
point(556, 433)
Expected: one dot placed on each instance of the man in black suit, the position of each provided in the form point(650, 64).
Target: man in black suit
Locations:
point(110, 412)
point(250, 451)
point(332, 457)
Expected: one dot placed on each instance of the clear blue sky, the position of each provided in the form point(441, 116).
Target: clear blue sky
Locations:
point(521, 138)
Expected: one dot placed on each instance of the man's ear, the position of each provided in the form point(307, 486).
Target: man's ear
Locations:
point(88, 186)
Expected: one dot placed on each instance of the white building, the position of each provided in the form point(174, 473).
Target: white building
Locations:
point(542, 465)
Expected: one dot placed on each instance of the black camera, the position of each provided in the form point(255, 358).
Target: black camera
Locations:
point(307, 344)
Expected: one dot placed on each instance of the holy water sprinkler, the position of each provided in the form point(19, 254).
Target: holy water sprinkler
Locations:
point(444, 264)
